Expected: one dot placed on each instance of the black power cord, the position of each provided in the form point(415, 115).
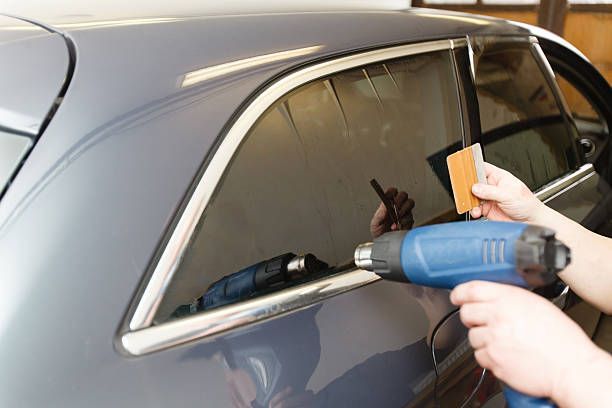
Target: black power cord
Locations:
point(437, 328)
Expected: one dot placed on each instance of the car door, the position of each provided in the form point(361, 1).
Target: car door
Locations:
point(527, 128)
point(588, 97)
point(293, 176)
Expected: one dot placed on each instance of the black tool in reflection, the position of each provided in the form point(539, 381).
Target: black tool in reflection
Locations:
point(394, 212)
point(263, 277)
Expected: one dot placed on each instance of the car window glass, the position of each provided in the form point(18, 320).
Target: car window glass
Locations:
point(523, 129)
point(12, 150)
point(300, 182)
point(580, 107)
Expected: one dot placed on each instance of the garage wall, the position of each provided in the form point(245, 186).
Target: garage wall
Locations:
point(594, 42)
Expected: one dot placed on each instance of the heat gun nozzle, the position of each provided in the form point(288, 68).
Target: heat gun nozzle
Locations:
point(363, 256)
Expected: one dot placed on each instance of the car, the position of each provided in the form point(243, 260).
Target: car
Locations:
point(154, 155)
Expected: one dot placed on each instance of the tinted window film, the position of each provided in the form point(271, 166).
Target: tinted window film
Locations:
point(579, 105)
point(300, 182)
point(523, 128)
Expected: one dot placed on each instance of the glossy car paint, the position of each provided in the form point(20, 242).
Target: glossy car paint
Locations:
point(81, 223)
point(27, 50)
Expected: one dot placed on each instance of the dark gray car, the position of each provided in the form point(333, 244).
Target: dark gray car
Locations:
point(147, 157)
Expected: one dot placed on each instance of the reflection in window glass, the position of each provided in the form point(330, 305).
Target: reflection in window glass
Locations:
point(578, 104)
point(450, 1)
point(300, 182)
point(523, 129)
point(590, 1)
point(12, 150)
point(513, 2)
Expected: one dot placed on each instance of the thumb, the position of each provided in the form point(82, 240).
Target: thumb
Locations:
point(488, 192)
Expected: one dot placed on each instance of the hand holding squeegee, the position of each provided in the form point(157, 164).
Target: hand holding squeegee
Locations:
point(446, 255)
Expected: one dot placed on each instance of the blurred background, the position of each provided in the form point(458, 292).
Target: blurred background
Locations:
point(587, 24)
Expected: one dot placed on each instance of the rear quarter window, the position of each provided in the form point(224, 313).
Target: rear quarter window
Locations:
point(300, 182)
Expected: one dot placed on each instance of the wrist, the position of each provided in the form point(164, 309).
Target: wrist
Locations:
point(578, 379)
point(540, 214)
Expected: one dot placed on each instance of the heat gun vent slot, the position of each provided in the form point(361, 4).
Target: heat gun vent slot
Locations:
point(493, 251)
point(485, 251)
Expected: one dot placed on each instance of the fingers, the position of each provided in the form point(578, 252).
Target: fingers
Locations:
point(477, 291)
point(405, 214)
point(287, 399)
point(475, 314)
point(489, 192)
point(406, 206)
point(482, 210)
point(479, 337)
point(491, 169)
point(494, 174)
point(483, 358)
point(391, 193)
point(277, 399)
point(406, 222)
point(400, 198)
point(379, 215)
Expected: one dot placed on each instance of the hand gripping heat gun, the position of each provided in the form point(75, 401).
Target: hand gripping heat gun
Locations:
point(446, 255)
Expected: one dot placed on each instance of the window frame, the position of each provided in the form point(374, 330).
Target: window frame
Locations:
point(138, 336)
point(475, 135)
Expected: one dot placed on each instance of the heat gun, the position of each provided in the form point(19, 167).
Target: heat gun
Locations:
point(446, 255)
point(263, 276)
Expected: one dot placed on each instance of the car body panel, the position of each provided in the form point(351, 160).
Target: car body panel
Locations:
point(81, 224)
point(35, 65)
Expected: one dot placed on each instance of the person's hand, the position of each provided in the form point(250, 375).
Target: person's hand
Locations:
point(242, 389)
point(522, 338)
point(506, 197)
point(287, 398)
point(382, 222)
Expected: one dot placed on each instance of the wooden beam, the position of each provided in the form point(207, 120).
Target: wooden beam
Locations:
point(551, 15)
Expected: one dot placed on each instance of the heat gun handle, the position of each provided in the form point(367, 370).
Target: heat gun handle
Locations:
point(515, 399)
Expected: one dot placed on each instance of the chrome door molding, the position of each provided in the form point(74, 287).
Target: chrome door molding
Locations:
point(175, 248)
point(207, 324)
point(562, 184)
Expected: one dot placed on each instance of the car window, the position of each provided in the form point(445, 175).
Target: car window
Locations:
point(580, 107)
point(300, 182)
point(12, 150)
point(523, 128)
point(592, 126)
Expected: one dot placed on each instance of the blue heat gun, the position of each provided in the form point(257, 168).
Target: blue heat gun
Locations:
point(446, 255)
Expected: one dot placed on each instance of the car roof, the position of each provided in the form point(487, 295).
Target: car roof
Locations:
point(77, 14)
point(70, 15)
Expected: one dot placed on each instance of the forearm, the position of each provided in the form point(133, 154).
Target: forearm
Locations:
point(590, 271)
point(587, 385)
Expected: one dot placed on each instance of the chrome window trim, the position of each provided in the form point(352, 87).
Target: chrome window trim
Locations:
point(557, 187)
point(144, 338)
point(175, 248)
point(207, 324)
